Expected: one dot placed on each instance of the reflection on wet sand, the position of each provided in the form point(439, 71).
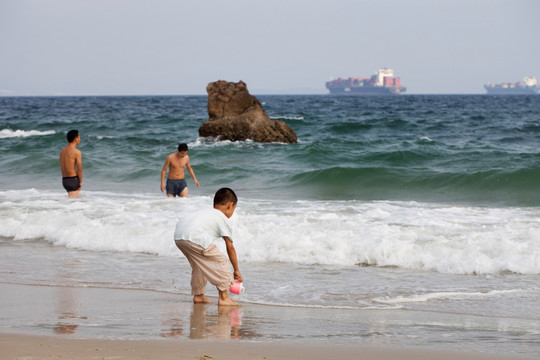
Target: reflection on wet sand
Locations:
point(223, 325)
point(67, 305)
point(63, 328)
point(67, 309)
point(174, 325)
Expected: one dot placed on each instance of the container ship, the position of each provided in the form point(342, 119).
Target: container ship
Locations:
point(382, 83)
point(527, 86)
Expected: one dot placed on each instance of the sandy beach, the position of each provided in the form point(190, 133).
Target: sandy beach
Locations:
point(29, 347)
point(45, 322)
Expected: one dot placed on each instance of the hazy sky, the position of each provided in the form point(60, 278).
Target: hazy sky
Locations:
point(176, 47)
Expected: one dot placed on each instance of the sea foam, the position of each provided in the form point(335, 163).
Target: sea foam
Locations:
point(8, 133)
point(442, 238)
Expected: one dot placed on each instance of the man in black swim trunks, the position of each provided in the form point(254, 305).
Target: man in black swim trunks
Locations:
point(71, 165)
point(176, 183)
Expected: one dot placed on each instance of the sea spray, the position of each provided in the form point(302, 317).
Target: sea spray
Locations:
point(411, 235)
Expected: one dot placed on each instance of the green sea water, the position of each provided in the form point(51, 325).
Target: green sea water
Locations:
point(477, 149)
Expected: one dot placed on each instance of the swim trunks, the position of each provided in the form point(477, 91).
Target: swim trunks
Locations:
point(175, 186)
point(71, 183)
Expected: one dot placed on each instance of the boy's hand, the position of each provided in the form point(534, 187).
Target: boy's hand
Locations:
point(238, 276)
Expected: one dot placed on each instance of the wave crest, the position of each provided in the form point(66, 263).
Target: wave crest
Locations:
point(8, 133)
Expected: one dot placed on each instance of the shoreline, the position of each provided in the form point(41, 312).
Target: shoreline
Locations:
point(41, 321)
point(33, 347)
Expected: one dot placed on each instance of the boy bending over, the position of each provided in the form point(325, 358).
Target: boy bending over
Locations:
point(195, 235)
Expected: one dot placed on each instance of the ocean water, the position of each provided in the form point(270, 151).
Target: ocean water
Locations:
point(409, 203)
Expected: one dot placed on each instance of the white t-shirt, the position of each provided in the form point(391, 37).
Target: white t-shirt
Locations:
point(203, 227)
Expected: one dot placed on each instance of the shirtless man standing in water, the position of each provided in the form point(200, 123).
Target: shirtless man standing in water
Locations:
point(176, 183)
point(71, 165)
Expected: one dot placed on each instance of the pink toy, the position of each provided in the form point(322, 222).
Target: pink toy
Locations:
point(237, 288)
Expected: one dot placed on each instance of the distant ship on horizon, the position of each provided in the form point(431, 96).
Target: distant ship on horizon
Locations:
point(527, 86)
point(382, 83)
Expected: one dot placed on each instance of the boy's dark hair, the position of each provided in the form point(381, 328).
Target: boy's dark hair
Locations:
point(72, 135)
point(182, 147)
point(224, 196)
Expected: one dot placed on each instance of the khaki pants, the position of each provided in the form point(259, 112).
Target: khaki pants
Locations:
point(207, 265)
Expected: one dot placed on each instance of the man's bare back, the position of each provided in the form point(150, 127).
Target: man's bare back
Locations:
point(71, 166)
point(175, 163)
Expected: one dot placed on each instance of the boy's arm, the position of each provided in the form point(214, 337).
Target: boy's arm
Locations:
point(163, 172)
point(190, 170)
point(231, 251)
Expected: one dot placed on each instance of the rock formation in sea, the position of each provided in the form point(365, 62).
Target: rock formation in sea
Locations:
point(236, 115)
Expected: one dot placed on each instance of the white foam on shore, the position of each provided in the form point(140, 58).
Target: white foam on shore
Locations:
point(446, 239)
point(446, 295)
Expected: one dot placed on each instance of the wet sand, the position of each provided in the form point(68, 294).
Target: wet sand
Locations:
point(43, 322)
